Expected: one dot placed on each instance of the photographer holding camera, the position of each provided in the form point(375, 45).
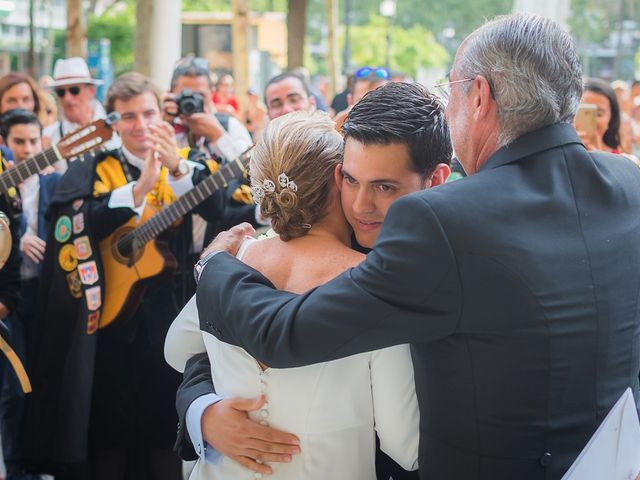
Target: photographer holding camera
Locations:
point(189, 107)
point(210, 134)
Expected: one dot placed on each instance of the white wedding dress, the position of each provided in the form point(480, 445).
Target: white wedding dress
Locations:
point(333, 407)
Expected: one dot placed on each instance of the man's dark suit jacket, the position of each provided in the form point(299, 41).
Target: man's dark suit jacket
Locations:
point(518, 288)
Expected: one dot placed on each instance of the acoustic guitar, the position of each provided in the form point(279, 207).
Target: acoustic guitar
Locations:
point(78, 142)
point(130, 258)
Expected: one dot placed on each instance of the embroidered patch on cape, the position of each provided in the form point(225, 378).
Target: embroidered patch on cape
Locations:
point(63, 229)
point(88, 272)
point(94, 298)
point(83, 247)
point(78, 223)
point(74, 283)
point(67, 258)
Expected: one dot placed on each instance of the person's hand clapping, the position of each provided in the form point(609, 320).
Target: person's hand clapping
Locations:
point(148, 178)
point(165, 147)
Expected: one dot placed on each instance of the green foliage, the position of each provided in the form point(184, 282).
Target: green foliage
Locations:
point(116, 24)
point(410, 48)
point(225, 5)
point(591, 21)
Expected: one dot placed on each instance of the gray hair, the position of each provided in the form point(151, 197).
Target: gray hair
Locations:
point(532, 67)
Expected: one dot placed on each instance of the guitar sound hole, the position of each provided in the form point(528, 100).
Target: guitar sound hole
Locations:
point(127, 250)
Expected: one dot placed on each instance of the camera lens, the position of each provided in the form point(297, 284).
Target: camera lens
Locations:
point(188, 106)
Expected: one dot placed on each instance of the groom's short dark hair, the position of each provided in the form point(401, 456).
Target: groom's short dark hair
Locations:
point(404, 113)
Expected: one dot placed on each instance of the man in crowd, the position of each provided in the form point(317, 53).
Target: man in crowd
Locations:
point(112, 418)
point(366, 79)
point(380, 165)
point(217, 135)
point(287, 93)
point(524, 328)
point(21, 132)
point(76, 92)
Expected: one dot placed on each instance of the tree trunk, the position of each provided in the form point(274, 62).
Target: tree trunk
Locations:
point(142, 38)
point(296, 26)
point(76, 30)
point(332, 41)
point(240, 42)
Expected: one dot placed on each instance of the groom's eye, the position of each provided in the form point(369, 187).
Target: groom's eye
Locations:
point(385, 188)
point(349, 179)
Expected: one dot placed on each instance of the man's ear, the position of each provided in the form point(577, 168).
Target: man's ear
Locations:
point(440, 174)
point(484, 102)
point(337, 176)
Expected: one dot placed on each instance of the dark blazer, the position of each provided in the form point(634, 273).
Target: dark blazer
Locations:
point(517, 287)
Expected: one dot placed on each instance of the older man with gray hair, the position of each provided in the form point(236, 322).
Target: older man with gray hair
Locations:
point(509, 284)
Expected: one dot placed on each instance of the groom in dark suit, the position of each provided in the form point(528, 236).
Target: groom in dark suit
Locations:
point(511, 284)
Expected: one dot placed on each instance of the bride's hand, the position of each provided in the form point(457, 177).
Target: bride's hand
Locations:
point(227, 428)
point(230, 240)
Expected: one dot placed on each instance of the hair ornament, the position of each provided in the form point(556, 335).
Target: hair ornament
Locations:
point(268, 185)
point(284, 182)
point(258, 194)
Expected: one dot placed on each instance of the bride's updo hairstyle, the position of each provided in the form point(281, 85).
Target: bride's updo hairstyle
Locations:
point(292, 169)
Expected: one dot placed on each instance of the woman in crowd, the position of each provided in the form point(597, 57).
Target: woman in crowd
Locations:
point(333, 407)
point(18, 90)
point(607, 138)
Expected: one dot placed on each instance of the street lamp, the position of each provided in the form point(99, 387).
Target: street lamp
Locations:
point(388, 10)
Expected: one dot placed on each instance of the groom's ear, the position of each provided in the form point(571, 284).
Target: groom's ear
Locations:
point(337, 176)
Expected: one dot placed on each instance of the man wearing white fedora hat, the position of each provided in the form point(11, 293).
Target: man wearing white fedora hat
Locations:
point(76, 91)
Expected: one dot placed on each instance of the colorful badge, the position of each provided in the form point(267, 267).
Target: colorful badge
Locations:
point(88, 272)
point(77, 204)
point(67, 258)
point(92, 322)
point(75, 285)
point(83, 247)
point(78, 223)
point(94, 299)
point(63, 229)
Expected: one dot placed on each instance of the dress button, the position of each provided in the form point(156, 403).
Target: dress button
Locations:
point(545, 460)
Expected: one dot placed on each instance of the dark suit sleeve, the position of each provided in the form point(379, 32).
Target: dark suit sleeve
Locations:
point(196, 382)
point(407, 290)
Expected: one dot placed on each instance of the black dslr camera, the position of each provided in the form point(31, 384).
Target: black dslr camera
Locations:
point(189, 102)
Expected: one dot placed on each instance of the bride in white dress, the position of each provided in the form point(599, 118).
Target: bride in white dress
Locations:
point(335, 408)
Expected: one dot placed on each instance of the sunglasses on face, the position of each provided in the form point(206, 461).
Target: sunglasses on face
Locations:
point(72, 90)
point(379, 72)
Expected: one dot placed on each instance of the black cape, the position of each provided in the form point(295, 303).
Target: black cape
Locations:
point(63, 346)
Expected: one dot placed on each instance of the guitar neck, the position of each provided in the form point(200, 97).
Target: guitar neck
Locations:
point(22, 170)
point(187, 202)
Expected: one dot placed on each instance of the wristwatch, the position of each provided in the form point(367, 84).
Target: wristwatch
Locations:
point(182, 169)
point(200, 264)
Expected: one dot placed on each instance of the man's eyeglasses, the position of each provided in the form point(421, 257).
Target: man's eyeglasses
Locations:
point(72, 90)
point(379, 72)
point(443, 86)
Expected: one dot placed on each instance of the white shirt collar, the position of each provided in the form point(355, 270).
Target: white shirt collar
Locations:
point(133, 159)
